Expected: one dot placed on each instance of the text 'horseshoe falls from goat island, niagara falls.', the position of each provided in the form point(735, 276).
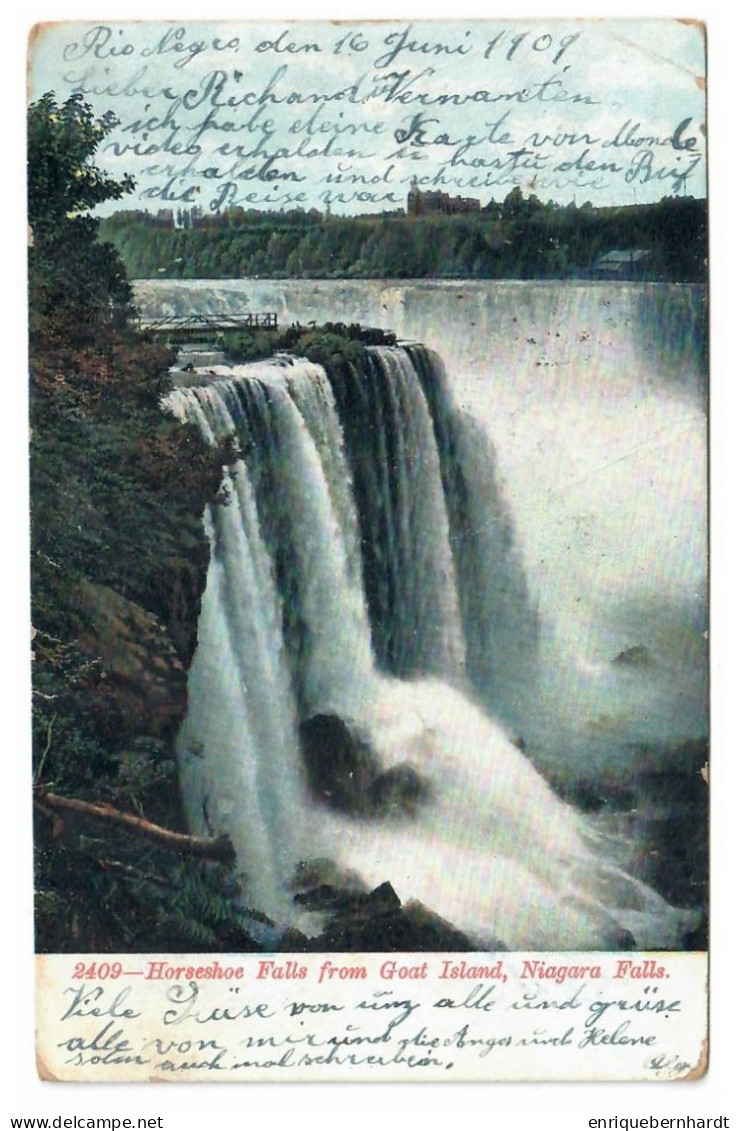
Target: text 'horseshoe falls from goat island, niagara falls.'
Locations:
point(456, 601)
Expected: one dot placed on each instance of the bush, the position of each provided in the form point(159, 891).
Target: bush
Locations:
point(329, 344)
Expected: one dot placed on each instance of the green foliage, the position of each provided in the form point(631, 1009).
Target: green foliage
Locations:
point(62, 177)
point(241, 346)
point(520, 238)
point(328, 345)
point(77, 284)
point(103, 893)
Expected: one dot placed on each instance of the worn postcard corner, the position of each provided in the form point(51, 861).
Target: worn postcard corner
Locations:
point(701, 1068)
point(368, 369)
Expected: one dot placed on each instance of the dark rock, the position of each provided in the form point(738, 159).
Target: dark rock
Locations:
point(383, 900)
point(431, 932)
point(323, 872)
point(323, 898)
point(593, 795)
point(328, 898)
point(673, 800)
point(232, 939)
point(638, 657)
point(181, 590)
point(621, 939)
point(399, 791)
point(376, 922)
point(688, 757)
point(339, 762)
point(698, 938)
point(293, 941)
point(344, 772)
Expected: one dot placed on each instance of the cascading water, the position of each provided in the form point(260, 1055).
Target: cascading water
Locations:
point(500, 625)
point(364, 566)
point(594, 396)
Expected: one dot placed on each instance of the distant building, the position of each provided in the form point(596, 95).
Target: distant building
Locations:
point(434, 203)
point(633, 263)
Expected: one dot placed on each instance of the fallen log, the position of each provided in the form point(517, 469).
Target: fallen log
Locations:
point(207, 848)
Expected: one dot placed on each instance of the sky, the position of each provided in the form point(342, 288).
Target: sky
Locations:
point(343, 116)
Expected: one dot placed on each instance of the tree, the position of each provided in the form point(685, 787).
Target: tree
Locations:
point(62, 177)
point(77, 284)
point(513, 204)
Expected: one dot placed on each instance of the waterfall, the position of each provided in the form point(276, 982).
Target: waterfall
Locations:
point(364, 565)
point(396, 468)
point(500, 623)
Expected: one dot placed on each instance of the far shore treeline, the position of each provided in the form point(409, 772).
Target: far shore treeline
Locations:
point(518, 238)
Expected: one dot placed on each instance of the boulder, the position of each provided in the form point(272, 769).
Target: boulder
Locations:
point(399, 791)
point(344, 772)
point(428, 931)
point(143, 689)
point(323, 872)
point(638, 657)
point(339, 762)
point(376, 922)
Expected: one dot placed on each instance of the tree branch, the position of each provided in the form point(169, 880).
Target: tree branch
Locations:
point(208, 848)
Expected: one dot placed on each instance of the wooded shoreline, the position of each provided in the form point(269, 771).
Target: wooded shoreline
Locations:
point(520, 238)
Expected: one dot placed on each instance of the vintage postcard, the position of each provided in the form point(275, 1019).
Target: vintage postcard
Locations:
point(369, 549)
